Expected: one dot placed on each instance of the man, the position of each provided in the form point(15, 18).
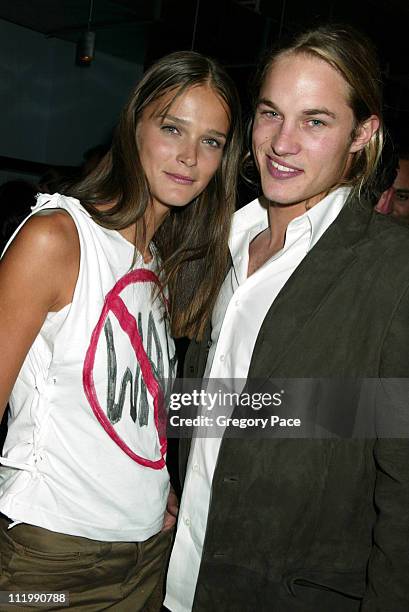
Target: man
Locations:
point(319, 288)
point(400, 197)
point(395, 199)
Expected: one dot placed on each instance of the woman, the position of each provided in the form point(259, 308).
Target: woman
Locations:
point(85, 336)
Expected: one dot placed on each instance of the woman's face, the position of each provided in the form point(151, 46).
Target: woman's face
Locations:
point(181, 148)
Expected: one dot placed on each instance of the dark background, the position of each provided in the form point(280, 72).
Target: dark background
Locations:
point(52, 111)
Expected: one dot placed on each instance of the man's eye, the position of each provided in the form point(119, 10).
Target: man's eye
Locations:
point(270, 114)
point(316, 122)
point(401, 196)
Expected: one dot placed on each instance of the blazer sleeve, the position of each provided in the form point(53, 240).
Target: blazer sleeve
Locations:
point(388, 569)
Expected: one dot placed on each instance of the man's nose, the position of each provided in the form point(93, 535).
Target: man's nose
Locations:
point(286, 140)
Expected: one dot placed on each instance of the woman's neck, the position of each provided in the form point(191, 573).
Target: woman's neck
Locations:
point(153, 218)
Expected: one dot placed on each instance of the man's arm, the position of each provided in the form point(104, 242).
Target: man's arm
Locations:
point(388, 569)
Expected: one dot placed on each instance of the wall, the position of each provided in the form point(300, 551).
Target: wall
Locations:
point(52, 111)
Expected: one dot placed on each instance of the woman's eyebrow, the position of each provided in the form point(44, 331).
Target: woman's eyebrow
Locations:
point(186, 122)
point(173, 118)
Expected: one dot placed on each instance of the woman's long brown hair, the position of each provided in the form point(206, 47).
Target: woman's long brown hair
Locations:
point(192, 241)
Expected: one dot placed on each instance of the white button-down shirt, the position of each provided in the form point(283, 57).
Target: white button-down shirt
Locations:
point(240, 309)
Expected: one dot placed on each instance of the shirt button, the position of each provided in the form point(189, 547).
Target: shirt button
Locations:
point(237, 303)
point(195, 467)
point(222, 357)
point(187, 521)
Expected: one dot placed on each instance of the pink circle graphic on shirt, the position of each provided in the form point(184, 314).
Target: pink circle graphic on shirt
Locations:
point(113, 303)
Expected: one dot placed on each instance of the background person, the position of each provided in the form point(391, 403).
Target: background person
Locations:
point(394, 199)
point(85, 323)
point(400, 194)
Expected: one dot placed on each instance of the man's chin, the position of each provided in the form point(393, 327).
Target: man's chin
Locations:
point(281, 202)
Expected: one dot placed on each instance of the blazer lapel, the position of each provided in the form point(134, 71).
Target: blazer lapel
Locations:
point(307, 288)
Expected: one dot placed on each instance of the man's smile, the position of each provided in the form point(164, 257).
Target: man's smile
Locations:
point(280, 170)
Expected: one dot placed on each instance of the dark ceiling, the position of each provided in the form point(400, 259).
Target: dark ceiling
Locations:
point(234, 31)
point(118, 23)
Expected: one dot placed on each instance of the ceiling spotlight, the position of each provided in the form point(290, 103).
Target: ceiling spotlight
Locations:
point(86, 48)
point(86, 42)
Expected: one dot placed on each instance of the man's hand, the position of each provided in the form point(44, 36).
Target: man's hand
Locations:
point(172, 509)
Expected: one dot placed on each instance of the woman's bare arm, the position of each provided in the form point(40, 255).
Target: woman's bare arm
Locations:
point(38, 274)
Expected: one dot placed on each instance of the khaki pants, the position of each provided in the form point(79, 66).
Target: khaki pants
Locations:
point(116, 576)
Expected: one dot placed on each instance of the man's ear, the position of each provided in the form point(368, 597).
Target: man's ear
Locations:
point(364, 133)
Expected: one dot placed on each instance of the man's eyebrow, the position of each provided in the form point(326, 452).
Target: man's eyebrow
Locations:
point(186, 122)
point(266, 102)
point(401, 189)
point(311, 112)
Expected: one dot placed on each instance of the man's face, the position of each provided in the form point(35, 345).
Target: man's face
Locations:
point(400, 202)
point(302, 134)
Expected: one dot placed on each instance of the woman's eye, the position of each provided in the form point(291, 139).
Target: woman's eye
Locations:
point(212, 142)
point(170, 129)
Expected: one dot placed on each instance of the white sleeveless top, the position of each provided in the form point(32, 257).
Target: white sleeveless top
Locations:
point(85, 450)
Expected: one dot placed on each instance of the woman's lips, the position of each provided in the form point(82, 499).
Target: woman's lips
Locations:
point(281, 171)
point(180, 179)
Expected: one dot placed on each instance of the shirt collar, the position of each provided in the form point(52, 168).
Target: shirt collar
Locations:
point(323, 214)
point(253, 219)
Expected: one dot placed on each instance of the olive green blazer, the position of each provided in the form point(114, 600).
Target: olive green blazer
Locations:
point(318, 525)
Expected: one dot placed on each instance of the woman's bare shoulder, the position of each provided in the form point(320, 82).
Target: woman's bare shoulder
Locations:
point(38, 274)
point(48, 234)
point(45, 252)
